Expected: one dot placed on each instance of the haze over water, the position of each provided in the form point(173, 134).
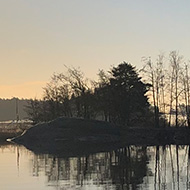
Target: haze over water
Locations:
point(132, 167)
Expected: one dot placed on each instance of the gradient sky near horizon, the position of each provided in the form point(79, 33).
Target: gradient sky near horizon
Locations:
point(39, 37)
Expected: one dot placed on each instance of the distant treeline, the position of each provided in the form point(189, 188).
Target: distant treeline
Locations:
point(8, 109)
point(153, 96)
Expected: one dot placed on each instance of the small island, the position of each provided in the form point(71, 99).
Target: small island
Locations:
point(74, 117)
point(74, 136)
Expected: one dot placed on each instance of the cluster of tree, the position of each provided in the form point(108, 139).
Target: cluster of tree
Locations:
point(160, 98)
point(170, 89)
point(119, 96)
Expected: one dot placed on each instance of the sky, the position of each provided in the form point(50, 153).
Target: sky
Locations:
point(39, 37)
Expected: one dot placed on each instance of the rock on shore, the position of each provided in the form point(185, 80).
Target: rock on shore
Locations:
point(68, 135)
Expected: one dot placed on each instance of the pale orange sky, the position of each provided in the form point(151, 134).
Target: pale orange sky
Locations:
point(39, 37)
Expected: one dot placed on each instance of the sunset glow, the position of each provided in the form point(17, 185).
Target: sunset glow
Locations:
point(39, 37)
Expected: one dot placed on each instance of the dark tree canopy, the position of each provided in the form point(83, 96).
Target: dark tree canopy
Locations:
point(126, 99)
point(119, 96)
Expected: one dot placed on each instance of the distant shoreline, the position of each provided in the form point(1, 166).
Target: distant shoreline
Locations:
point(11, 129)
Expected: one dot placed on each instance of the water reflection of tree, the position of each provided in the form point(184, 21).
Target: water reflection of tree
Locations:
point(130, 167)
point(171, 167)
point(160, 168)
point(124, 168)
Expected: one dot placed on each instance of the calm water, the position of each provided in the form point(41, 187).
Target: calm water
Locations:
point(132, 167)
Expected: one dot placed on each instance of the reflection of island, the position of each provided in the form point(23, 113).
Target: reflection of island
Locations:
point(161, 167)
point(130, 168)
point(119, 168)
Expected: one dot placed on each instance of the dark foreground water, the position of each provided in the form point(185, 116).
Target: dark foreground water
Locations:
point(132, 167)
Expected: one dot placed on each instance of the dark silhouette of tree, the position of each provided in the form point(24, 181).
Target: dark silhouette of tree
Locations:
point(156, 76)
point(128, 94)
point(175, 61)
point(65, 95)
point(81, 93)
point(185, 108)
point(120, 96)
point(56, 96)
point(35, 110)
point(169, 92)
point(102, 95)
